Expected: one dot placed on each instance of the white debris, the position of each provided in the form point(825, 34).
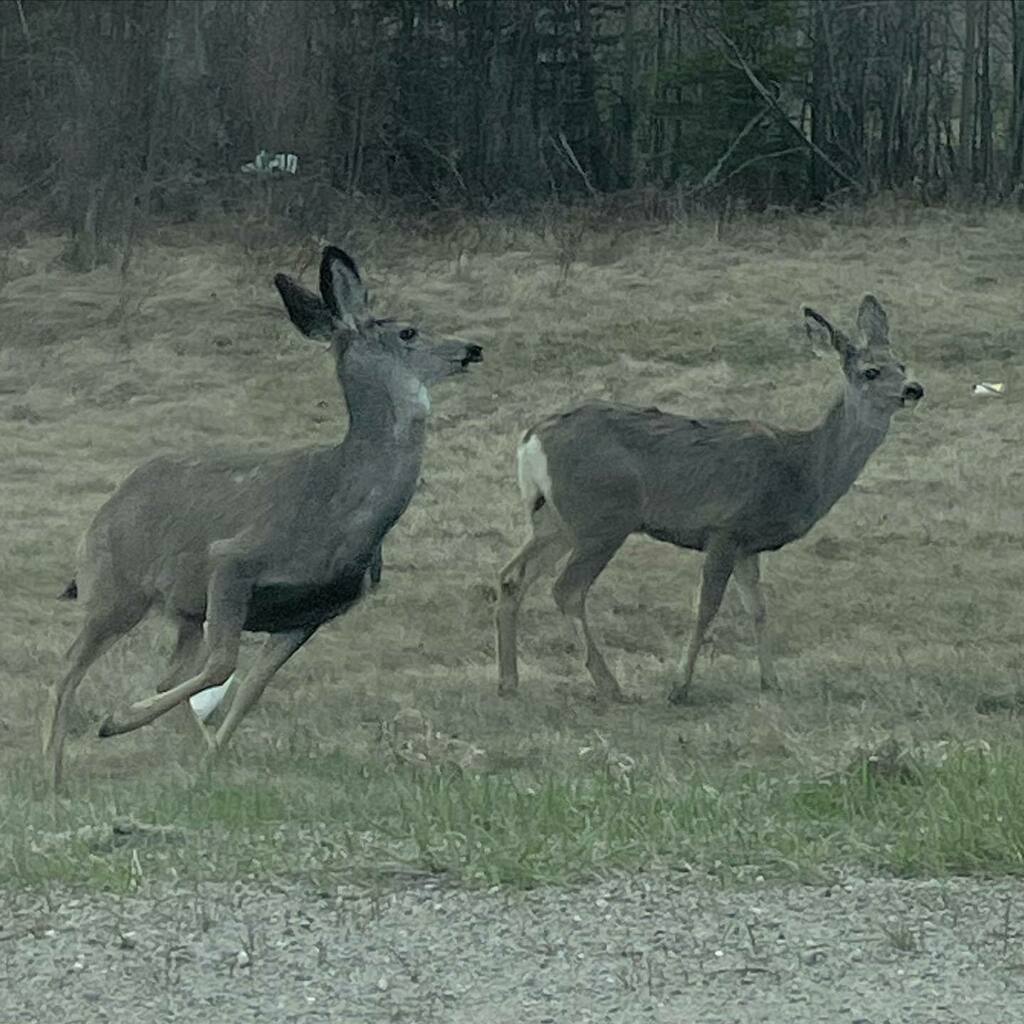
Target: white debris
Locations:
point(205, 702)
point(276, 163)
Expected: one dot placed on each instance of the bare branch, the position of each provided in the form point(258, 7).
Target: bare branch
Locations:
point(759, 158)
point(712, 175)
point(567, 151)
point(728, 46)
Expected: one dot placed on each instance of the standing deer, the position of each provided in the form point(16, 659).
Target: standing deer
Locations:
point(276, 544)
point(592, 476)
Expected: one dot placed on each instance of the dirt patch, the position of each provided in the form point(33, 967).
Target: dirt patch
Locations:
point(863, 952)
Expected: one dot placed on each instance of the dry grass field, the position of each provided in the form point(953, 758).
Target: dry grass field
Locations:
point(899, 613)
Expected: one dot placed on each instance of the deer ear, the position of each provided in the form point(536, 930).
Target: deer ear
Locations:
point(341, 287)
point(872, 322)
point(305, 309)
point(823, 334)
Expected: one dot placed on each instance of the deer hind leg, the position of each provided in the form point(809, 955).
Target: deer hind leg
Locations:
point(226, 605)
point(718, 565)
point(97, 634)
point(570, 591)
point(186, 648)
point(182, 665)
point(540, 553)
point(277, 649)
point(748, 578)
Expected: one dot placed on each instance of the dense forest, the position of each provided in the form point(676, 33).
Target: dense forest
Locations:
point(112, 109)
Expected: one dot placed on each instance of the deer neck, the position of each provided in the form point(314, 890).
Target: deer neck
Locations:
point(370, 477)
point(839, 448)
point(381, 455)
point(390, 413)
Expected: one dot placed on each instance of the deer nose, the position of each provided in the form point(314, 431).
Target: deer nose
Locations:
point(913, 391)
point(474, 354)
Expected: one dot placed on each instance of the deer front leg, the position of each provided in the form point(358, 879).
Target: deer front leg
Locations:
point(227, 604)
point(277, 649)
point(718, 565)
point(748, 578)
point(182, 666)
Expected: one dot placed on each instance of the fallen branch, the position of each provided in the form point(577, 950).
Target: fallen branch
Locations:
point(773, 104)
point(712, 175)
point(758, 158)
point(570, 155)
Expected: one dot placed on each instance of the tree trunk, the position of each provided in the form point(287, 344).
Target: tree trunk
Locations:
point(627, 103)
point(596, 165)
point(967, 100)
point(985, 120)
point(1015, 132)
point(820, 79)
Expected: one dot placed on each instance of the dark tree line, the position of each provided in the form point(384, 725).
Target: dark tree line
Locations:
point(113, 109)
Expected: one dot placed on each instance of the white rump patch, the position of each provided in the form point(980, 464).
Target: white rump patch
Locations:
point(205, 702)
point(532, 470)
point(423, 397)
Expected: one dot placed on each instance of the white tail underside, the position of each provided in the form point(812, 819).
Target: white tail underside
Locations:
point(532, 471)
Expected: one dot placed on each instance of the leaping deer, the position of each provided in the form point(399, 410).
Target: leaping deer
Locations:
point(275, 544)
point(593, 476)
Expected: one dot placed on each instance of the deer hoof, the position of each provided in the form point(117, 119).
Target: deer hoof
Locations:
point(108, 727)
point(680, 695)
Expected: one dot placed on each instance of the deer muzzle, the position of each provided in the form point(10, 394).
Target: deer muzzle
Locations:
point(912, 392)
point(473, 354)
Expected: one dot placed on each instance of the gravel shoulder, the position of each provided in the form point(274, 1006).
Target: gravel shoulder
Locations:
point(635, 950)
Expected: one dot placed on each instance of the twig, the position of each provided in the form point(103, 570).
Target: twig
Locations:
point(758, 158)
point(746, 130)
point(773, 104)
point(40, 179)
point(24, 23)
point(574, 162)
point(746, 969)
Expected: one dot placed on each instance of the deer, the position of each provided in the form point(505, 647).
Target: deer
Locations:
point(277, 544)
point(732, 489)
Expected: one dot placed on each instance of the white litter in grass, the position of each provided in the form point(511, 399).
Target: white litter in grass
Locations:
point(205, 702)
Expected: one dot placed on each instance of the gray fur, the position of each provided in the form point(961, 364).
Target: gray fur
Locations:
point(277, 544)
point(731, 489)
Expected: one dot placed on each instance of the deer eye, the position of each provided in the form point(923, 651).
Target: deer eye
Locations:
point(871, 373)
point(407, 333)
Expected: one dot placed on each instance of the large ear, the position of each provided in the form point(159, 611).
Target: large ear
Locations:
point(872, 322)
point(342, 288)
point(821, 332)
point(305, 309)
